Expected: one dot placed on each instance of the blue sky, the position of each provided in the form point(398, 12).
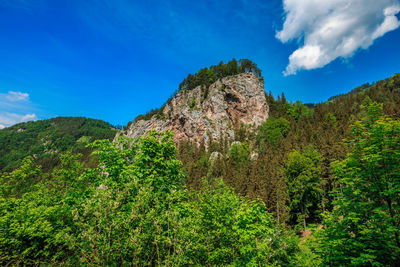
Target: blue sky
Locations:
point(113, 60)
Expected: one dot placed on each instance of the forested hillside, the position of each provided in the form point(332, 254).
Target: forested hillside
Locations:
point(291, 127)
point(46, 140)
point(315, 185)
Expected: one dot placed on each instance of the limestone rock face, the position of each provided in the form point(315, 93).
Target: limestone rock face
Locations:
point(206, 115)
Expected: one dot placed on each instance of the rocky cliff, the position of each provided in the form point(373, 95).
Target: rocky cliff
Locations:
point(203, 113)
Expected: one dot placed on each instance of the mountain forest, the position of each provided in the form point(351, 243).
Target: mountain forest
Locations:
point(313, 185)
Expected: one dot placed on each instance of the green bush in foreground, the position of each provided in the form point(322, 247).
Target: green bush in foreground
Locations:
point(134, 210)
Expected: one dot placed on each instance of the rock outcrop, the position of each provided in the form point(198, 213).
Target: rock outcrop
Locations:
point(203, 114)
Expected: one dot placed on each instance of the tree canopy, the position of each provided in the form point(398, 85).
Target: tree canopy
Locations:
point(364, 226)
point(207, 76)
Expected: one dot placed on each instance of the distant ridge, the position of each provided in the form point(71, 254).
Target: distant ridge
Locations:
point(45, 140)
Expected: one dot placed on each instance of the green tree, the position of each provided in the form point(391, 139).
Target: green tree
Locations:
point(273, 130)
point(240, 153)
point(303, 178)
point(235, 232)
point(137, 211)
point(20, 181)
point(33, 225)
point(364, 226)
point(298, 110)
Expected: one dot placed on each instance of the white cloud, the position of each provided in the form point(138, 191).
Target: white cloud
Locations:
point(329, 29)
point(8, 119)
point(17, 96)
point(15, 107)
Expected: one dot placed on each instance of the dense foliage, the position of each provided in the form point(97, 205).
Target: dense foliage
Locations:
point(133, 209)
point(287, 162)
point(364, 226)
point(207, 76)
point(273, 130)
point(291, 126)
point(45, 140)
point(303, 179)
point(328, 172)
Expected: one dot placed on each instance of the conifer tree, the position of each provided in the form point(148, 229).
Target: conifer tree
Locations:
point(364, 226)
